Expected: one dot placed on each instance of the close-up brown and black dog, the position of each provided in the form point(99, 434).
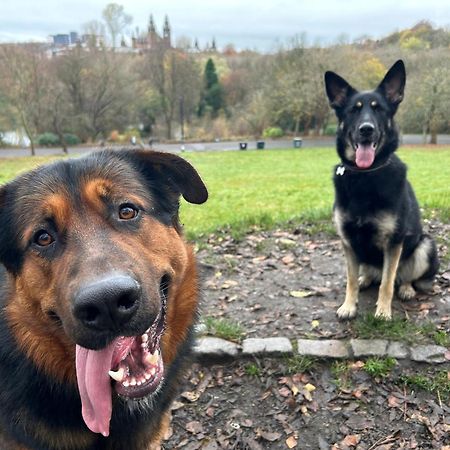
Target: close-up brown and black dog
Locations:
point(99, 294)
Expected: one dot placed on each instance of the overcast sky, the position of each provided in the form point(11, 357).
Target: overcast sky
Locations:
point(251, 24)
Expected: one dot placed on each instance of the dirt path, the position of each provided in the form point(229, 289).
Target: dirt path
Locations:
point(285, 283)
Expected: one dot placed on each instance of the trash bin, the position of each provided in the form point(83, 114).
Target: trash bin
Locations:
point(260, 145)
point(242, 145)
point(297, 142)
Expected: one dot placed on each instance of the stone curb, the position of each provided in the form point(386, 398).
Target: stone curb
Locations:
point(213, 348)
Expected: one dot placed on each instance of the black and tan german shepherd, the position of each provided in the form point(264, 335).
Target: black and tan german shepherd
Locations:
point(375, 210)
point(98, 298)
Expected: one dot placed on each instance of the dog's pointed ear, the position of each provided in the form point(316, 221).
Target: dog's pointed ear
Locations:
point(338, 90)
point(175, 172)
point(393, 84)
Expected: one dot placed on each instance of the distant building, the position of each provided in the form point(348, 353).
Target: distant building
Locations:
point(74, 37)
point(152, 39)
point(61, 40)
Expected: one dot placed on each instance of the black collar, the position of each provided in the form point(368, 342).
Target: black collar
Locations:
point(342, 168)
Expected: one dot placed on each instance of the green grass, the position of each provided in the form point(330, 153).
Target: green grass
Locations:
point(438, 383)
point(224, 328)
point(342, 374)
point(396, 329)
point(379, 367)
point(252, 370)
point(264, 188)
point(441, 337)
point(299, 364)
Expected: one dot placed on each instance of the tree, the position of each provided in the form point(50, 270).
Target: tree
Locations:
point(174, 76)
point(212, 95)
point(23, 85)
point(429, 103)
point(116, 21)
point(100, 86)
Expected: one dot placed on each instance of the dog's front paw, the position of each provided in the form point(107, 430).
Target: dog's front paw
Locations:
point(383, 312)
point(406, 292)
point(346, 311)
point(364, 281)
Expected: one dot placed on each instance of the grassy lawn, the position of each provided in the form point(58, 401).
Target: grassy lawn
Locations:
point(270, 186)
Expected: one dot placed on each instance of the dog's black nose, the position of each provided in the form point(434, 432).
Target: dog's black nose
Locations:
point(366, 129)
point(107, 304)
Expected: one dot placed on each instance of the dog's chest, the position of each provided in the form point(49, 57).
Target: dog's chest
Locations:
point(368, 230)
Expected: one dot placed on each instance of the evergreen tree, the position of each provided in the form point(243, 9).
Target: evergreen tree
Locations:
point(212, 95)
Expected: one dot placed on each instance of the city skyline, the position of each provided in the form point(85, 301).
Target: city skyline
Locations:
point(246, 25)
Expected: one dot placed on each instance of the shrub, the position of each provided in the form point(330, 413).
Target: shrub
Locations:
point(330, 130)
point(128, 134)
point(48, 139)
point(72, 139)
point(114, 136)
point(273, 132)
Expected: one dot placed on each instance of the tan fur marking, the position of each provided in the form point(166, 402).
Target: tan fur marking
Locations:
point(386, 292)
point(348, 308)
point(94, 191)
point(416, 265)
point(55, 206)
point(41, 340)
point(385, 224)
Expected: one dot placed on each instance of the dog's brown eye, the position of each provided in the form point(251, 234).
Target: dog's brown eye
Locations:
point(373, 104)
point(128, 212)
point(358, 105)
point(43, 239)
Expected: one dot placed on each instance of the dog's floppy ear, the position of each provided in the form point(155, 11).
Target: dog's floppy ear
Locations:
point(393, 84)
point(338, 90)
point(171, 170)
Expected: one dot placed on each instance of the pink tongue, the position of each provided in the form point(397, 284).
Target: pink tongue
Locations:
point(94, 385)
point(365, 155)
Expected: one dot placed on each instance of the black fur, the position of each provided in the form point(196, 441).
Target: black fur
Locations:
point(368, 192)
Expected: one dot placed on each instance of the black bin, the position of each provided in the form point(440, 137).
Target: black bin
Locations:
point(297, 142)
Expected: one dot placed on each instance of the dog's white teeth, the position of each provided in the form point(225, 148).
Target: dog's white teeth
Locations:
point(133, 382)
point(118, 375)
point(152, 358)
point(126, 383)
point(144, 337)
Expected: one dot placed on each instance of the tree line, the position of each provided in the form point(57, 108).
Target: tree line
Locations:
point(96, 93)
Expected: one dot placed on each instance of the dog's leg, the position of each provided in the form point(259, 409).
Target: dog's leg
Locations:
point(165, 432)
point(348, 309)
point(365, 278)
point(386, 292)
point(406, 292)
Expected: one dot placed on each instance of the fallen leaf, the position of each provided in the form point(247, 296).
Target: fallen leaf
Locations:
point(393, 402)
point(310, 387)
point(194, 427)
point(191, 396)
point(284, 391)
point(228, 283)
point(291, 442)
point(300, 294)
point(176, 405)
point(315, 324)
point(294, 390)
point(351, 440)
point(288, 259)
point(268, 436)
